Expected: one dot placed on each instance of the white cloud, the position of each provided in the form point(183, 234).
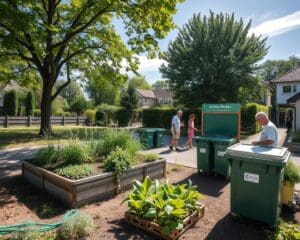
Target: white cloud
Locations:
point(278, 26)
point(149, 65)
point(267, 16)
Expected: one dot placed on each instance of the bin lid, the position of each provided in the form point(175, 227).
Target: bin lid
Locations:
point(275, 156)
point(203, 138)
point(146, 129)
point(223, 139)
point(160, 129)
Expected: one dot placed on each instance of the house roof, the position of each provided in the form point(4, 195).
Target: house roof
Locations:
point(146, 93)
point(291, 76)
point(294, 98)
point(162, 93)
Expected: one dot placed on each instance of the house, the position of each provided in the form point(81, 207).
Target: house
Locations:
point(150, 98)
point(287, 96)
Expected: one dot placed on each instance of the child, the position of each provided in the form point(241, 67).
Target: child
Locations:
point(191, 131)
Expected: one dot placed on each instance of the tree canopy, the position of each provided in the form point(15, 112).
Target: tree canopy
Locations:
point(161, 85)
point(139, 82)
point(211, 59)
point(49, 37)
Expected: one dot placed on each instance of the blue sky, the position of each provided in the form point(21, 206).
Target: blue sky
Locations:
point(277, 19)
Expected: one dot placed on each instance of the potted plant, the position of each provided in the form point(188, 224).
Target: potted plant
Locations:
point(290, 178)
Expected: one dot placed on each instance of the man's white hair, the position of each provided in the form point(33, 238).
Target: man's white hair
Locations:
point(179, 111)
point(261, 114)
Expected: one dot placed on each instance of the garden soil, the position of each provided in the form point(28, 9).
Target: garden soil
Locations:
point(20, 202)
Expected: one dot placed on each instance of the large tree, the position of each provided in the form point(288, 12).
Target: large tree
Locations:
point(51, 36)
point(211, 59)
point(161, 85)
point(71, 92)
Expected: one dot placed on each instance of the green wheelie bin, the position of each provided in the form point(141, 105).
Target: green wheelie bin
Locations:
point(205, 161)
point(158, 137)
point(146, 136)
point(221, 165)
point(256, 178)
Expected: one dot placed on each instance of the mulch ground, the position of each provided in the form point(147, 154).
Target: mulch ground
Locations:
point(19, 202)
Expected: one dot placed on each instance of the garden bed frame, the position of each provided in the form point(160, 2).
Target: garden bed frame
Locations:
point(294, 146)
point(75, 193)
point(155, 229)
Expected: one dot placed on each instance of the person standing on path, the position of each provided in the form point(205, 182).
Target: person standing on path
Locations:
point(175, 129)
point(269, 134)
point(191, 131)
point(289, 122)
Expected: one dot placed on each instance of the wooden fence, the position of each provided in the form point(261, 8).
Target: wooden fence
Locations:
point(7, 121)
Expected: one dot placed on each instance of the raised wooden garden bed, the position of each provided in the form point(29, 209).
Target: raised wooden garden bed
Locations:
point(294, 146)
point(155, 229)
point(74, 193)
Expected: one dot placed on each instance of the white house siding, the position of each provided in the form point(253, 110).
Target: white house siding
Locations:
point(281, 98)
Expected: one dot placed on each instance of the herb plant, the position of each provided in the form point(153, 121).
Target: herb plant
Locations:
point(163, 203)
point(291, 172)
point(75, 171)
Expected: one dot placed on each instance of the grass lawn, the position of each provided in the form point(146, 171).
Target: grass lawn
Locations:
point(28, 136)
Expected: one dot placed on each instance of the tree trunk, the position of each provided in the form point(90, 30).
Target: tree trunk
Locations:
point(45, 128)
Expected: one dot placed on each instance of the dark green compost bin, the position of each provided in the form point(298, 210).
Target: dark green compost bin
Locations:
point(205, 154)
point(221, 165)
point(146, 136)
point(158, 137)
point(256, 178)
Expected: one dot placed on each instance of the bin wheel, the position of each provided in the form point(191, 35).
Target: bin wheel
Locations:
point(235, 217)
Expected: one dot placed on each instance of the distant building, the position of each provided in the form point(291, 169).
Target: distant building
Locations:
point(288, 96)
point(150, 98)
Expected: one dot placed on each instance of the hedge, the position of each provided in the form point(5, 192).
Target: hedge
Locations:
point(248, 112)
point(10, 103)
point(29, 104)
point(162, 117)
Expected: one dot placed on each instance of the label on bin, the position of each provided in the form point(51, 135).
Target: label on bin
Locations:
point(202, 150)
point(250, 177)
point(220, 153)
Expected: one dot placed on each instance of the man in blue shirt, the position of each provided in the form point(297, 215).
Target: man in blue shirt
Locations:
point(175, 129)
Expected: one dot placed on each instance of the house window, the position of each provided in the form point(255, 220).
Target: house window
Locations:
point(294, 88)
point(287, 89)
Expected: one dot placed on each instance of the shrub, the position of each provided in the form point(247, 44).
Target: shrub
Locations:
point(76, 228)
point(29, 104)
point(296, 137)
point(109, 112)
point(123, 116)
point(248, 112)
point(75, 153)
point(158, 117)
point(291, 172)
point(91, 116)
point(46, 156)
point(75, 171)
point(10, 103)
point(79, 105)
point(150, 157)
point(37, 112)
point(48, 210)
point(100, 116)
point(29, 234)
point(117, 161)
point(117, 138)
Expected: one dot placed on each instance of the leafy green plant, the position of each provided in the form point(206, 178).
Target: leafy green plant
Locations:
point(117, 138)
point(75, 153)
point(150, 157)
point(163, 203)
point(26, 235)
point(75, 171)
point(46, 156)
point(76, 228)
point(286, 231)
point(117, 161)
point(291, 172)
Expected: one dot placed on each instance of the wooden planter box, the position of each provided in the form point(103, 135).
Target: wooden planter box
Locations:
point(75, 193)
point(294, 146)
point(155, 229)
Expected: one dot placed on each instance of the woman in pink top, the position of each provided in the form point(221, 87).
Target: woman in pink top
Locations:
point(191, 130)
